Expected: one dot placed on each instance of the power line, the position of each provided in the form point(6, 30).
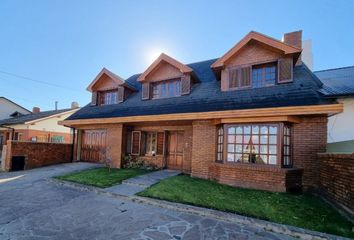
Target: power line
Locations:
point(38, 81)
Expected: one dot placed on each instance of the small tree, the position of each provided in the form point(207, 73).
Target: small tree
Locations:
point(107, 157)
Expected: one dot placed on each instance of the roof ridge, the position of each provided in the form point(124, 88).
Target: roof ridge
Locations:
point(331, 69)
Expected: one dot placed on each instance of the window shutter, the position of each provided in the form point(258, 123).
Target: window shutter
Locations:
point(136, 138)
point(285, 70)
point(234, 78)
point(225, 79)
point(160, 143)
point(142, 143)
point(120, 94)
point(146, 91)
point(94, 98)
point(186, 84)
point(245, 78)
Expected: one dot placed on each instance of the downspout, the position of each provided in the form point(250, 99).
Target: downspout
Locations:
point(73, 145)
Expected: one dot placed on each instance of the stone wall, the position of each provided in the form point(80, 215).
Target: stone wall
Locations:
point(37, 154)
point(337, 179)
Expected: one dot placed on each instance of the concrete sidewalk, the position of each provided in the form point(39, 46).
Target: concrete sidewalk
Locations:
point(131, 186)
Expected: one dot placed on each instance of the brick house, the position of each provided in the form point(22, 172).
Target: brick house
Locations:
point(252, 118)
point(36, 126)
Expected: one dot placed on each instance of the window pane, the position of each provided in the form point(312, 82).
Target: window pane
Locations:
point(239, 148)
point(230, 157)
point(273, 130)
point(272, 159)
point(272, 139)
point(238, 157)
point(239, 130)
point(255, 139)
point(264, 139)
point(247, 130)
point(230, 148)
point(231, 139)
point(231, 130)
point(264, 130)
point(264, 149)
point(272, 149)
point(239, 139)
point(255, 130)
point(263, 159)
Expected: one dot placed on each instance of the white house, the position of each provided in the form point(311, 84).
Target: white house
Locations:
point(10, 109)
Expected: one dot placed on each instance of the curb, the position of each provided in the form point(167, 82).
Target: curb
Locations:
point(205, 212)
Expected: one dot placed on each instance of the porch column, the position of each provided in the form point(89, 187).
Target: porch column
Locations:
point(115, 144)
point(203, 148)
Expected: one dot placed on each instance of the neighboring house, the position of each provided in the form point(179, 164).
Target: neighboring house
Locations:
point(339, 83)
point(10, 109)
point(252, 118)
point(37, 127)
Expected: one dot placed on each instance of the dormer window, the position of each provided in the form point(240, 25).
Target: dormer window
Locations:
point(108, 97)
point(264, 75)
point(166, 89)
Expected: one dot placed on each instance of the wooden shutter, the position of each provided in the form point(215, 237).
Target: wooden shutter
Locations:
point(234, 76)
point(120, 94)
point(136, 139)
point(285, 70)
point(143, 143)
point(245, 77)
point(160, 143)
point(94, 98)
point(186, 84)
point(145, 91)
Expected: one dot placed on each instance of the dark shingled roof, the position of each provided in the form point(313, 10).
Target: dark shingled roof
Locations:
point(337, 82)
point(206, 96)
point(31, 117)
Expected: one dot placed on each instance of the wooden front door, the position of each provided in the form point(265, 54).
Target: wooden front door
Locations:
point(175, 150)
point(93, 145)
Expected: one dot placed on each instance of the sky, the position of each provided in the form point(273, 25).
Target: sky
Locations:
point(51, 50)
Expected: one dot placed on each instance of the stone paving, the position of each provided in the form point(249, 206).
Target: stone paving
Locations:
point(33, 208)
point(131, 186)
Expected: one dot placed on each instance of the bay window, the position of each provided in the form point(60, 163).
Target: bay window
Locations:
point(254, 144)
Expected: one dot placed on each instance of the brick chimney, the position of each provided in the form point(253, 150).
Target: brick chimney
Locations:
point(294, 39)
point(36, 110)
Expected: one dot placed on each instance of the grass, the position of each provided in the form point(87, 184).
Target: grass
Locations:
point(102, 177)
point(305, 211)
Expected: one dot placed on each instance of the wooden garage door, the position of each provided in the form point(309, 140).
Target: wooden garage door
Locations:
point(93, 145)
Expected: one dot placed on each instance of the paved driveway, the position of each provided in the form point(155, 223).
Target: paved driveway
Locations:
point(33, 208)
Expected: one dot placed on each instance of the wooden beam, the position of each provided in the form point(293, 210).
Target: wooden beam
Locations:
point(250, 113)
point(292, 119)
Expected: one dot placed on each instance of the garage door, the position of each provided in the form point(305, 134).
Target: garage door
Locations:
point(93, 145)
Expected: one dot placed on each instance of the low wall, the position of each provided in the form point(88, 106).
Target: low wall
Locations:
point(37, 154)
point(337, 179)
point(257, 177)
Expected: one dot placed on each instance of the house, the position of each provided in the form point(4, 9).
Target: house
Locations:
point(339, 84)
point(252, 118)
point(9, 108)
point(37, 126)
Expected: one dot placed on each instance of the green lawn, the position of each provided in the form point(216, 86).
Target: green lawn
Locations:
point(305, 211)
point(102, 177)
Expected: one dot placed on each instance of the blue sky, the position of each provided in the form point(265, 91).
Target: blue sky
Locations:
point(51, 50)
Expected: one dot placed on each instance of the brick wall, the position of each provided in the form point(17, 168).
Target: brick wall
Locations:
point(337, 179)
point(204, 147)
point(38, 154)
point(309, 138)
point(257, 177)
point(28, 134)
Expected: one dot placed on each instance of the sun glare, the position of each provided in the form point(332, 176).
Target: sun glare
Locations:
point(154, 53)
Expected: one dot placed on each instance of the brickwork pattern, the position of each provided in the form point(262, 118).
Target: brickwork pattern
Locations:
point(38, 154)
point(337, 179)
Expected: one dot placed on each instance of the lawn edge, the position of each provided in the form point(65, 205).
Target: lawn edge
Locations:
point(289, 230)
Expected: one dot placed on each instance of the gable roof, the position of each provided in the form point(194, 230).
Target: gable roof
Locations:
point(259, 37)
point(8, 100)
point(164, 57)
point(337, 81)
point(117, 79)
point(32, 117)
point(207, 96)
